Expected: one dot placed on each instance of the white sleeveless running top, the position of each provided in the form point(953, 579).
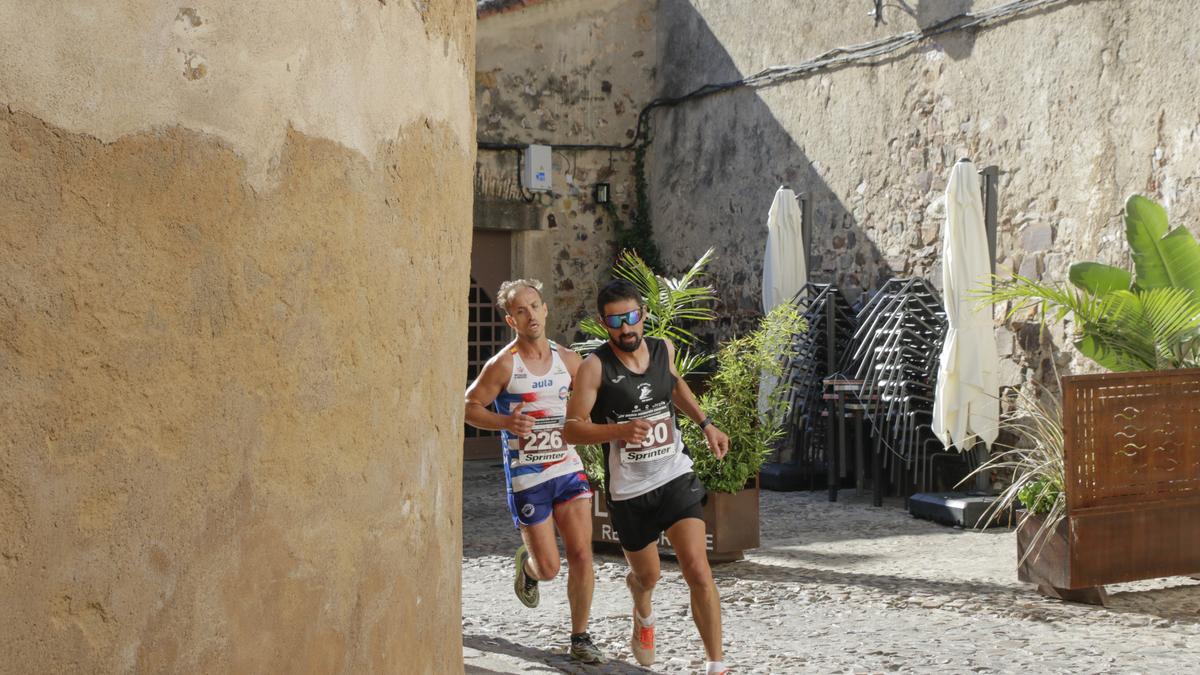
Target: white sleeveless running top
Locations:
point(544, 455)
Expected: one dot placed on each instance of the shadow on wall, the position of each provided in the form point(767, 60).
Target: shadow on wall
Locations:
point(957, 45)
point(930, 12)
point(714, 167)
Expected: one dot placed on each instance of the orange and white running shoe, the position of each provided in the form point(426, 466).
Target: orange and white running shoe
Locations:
point(642, 642)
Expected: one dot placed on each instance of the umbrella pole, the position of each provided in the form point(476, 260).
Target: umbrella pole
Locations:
point(979, 454)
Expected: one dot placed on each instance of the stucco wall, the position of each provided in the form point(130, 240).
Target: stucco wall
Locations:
point(1079, 105)
point(233, 253)
point(565, 72)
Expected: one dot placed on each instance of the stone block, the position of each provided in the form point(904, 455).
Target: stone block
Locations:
point(1031, 267)
point(1011, 372)
point(930, 231)
point(1005, 342)
point(1037, 237)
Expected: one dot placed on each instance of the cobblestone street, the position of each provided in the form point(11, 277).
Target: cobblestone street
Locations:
point(835, 588)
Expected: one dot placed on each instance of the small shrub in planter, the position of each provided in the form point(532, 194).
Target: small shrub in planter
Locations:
point(732, 400)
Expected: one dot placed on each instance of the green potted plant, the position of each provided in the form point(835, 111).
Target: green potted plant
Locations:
point(1106, 500)
point(732, 400)
point(1123, 322)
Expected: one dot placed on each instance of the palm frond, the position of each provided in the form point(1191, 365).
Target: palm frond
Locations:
point(633, 269)
point(1121, 330)
point(1059, 300)
point(680, 336)
point(590, 326)
point(1172, 313)
point(696, 269)
point(696, 314)
point(587, 346)
point(686, 362)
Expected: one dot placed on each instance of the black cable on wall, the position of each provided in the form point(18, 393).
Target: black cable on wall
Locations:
point(834, 58)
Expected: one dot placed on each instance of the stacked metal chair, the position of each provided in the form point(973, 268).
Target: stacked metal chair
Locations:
point(895, 357)
point(829, 322)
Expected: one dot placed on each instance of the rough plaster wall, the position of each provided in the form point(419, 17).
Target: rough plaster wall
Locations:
point(1079, 106)
point(238, 70)
point(573, 72)
point(230, 407)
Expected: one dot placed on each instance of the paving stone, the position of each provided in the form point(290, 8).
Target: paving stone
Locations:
point(835, 587)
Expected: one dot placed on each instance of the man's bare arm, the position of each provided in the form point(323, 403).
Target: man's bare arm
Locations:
point(580, 429)
point(484, 390)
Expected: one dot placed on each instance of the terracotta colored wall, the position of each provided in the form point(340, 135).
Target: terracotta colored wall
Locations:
point(234, 244)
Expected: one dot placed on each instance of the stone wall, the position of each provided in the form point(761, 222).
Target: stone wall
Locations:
point(1079, 105)
point(564, 72)
point(233, 263)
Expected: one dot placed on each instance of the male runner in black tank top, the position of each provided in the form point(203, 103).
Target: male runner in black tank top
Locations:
point(625, 394)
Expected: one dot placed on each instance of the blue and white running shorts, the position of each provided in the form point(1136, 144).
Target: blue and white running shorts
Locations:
point(535, 504)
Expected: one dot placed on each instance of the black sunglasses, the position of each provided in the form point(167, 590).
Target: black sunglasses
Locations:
point(631, 317)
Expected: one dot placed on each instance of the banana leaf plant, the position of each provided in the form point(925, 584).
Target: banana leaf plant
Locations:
point(1126, 322)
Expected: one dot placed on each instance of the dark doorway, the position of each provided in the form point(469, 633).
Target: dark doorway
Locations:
point(491, 264)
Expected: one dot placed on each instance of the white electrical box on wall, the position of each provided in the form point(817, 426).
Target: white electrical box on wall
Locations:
point(536, 171)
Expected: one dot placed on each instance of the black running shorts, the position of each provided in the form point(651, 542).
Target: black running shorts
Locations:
point(640, 521)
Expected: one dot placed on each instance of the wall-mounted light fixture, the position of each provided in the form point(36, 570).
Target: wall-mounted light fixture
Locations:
point(600, 193)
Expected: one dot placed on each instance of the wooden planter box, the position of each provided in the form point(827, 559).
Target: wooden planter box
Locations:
point(731, 522)
point(1132, 469)
point(1051, 567)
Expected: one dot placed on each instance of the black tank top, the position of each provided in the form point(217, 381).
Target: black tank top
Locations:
point(625, 395)
point(623, 392)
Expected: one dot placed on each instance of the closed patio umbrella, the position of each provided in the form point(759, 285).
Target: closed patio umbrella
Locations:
point(784, 272)
point(966, 403)
point(784, 267)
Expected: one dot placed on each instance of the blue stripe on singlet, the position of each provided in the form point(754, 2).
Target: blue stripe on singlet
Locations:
point(504, 405)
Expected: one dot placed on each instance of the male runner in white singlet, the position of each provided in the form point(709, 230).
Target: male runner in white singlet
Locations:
point(626, 394)
point(529, 382)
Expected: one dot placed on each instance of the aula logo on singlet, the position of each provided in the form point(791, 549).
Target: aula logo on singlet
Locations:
point(542, 384)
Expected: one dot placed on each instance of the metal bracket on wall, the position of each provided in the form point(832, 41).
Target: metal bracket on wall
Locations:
point(878, 12)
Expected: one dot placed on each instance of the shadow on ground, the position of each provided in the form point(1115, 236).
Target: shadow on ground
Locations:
point(546, 661)
point(488, 531)
point(1180, 603)
point(1177, 603)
